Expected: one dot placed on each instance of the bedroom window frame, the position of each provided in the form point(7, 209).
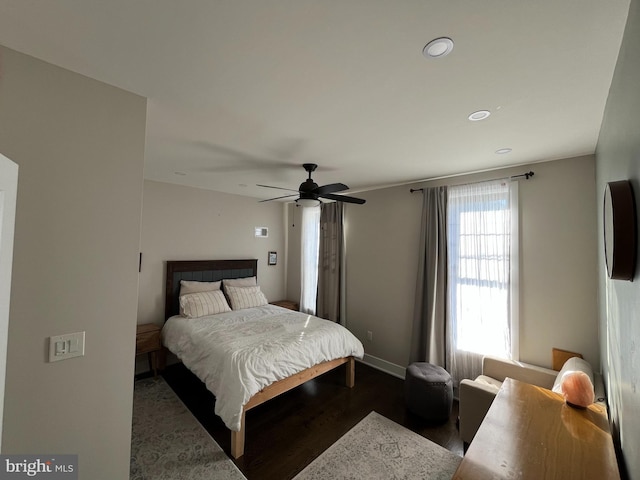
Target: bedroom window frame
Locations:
point(310, 251)
point(480, 259)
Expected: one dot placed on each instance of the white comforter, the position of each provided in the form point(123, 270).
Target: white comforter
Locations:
point(237, 354)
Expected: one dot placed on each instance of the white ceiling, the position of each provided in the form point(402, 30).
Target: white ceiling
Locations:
point(242, 92)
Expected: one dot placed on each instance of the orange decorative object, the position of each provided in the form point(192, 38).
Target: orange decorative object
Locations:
point(577, 389)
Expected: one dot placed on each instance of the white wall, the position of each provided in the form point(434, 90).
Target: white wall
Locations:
point(8, 196)
point(558, 262)
point(183, 223)
point(558, 300)
point(80, 147)
point(618, 158)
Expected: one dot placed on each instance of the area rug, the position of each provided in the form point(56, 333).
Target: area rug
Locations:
point(167, 442)
point(378, 448)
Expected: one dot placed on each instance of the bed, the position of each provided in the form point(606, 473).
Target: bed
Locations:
point(248, 356)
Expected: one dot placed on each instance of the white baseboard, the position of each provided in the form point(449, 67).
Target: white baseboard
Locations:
point(383, 365)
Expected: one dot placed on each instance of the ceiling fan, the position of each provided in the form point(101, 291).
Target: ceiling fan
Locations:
point(310, 193)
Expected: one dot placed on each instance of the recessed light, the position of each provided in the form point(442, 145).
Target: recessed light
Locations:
point(479, 115)
point(180, 173)
point(502, 151)
point(439, 47)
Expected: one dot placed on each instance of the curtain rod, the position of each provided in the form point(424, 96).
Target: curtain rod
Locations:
point(527, 175)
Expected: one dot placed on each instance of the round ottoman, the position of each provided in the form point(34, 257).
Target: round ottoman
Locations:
point(428, 391)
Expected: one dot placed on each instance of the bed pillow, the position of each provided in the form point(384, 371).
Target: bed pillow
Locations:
point(194, 305)
point(191, 286)
point(245, 297)
point(240, 282)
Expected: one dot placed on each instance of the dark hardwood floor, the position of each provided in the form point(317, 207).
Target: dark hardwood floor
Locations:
point(285, 434)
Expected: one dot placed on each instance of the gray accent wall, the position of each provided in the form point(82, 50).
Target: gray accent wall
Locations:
point(79, 144)
point(618, 158)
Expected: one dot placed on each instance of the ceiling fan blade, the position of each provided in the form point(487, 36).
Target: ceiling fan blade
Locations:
point(331, 188)
point(279, 188)
point(278, 198)
point(343, 198)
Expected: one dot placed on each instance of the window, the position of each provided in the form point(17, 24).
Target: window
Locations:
point(310, 249)
point(482, 249)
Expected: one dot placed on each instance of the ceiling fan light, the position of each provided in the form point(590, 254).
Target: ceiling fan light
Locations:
point(308, 202)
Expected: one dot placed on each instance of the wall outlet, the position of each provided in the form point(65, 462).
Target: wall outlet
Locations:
point(370, 336)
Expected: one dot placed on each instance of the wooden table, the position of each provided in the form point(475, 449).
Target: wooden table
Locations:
point(148, 341)
point(291, 305)
point(530, 433)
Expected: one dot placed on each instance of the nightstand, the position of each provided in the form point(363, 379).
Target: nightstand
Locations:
point(148, 341)
point(287, 304)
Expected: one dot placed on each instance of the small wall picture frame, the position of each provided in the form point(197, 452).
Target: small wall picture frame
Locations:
point(273, 258)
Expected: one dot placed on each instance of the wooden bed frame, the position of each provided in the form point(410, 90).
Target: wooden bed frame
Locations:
point(212, 271)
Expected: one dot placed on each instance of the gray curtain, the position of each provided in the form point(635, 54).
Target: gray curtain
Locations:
point(428, 341)
point(330, 260)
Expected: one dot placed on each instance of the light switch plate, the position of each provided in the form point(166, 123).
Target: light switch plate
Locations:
point(66, 346)
point(262, 232)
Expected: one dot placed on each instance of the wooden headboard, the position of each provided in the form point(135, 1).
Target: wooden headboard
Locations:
point(202, 271)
